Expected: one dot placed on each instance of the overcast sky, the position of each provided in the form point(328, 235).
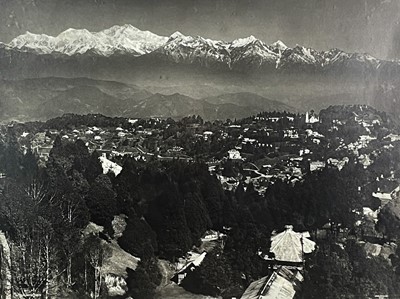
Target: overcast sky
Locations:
point(352, 25)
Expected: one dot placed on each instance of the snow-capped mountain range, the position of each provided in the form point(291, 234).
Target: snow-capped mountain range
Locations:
point(117, 39)
point(251, 52)
point(247, 52)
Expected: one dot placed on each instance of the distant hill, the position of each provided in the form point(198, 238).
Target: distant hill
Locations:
point(44, 98)
point(158, 105)
point(83, 100)
point(247, 99)
point(221, 107)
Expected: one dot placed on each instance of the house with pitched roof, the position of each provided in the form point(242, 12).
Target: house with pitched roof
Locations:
point(290, 246)
point(386, 190)
point(282, 284)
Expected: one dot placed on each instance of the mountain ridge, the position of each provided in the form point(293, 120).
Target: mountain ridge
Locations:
point(51, 97)
point(248, 52)
point(125, 39)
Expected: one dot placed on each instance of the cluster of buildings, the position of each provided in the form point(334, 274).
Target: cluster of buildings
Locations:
point(286, 148)
point(264, 148)
point(139, 142)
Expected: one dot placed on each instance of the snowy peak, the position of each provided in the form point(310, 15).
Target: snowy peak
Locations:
point(241, 42)
point(250, 53)
point(176, 35)
point(124, 39)
point(279, 45)
point(118, 30)
point(178, 39)
point(73, 34)
point(128, 38)
point(40, 42)
point(189, 49)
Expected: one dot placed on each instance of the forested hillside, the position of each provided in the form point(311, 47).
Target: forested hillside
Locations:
point(76, 231)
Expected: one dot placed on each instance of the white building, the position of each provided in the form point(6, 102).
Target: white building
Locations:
point(317, 165)
point(291, 133)
point(234, 154)
point(311, 119)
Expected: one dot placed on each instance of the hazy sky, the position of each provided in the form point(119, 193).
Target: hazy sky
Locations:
point(353, 25)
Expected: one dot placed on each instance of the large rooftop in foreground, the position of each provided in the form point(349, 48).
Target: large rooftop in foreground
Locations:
point(282, 284)
point(289, 246)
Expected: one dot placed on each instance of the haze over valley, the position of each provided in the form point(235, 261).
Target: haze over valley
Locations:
point(184, 68)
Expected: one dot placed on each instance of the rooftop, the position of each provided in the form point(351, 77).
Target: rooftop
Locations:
point(289, 245)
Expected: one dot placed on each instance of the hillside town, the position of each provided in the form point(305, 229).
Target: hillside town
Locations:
point(257, 150)
point(313, 185)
